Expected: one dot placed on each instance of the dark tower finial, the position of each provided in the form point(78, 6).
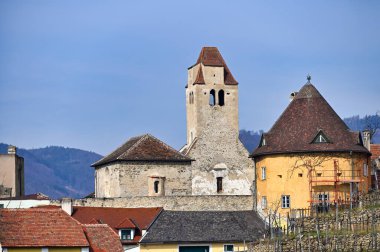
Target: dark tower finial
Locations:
point(308, 78)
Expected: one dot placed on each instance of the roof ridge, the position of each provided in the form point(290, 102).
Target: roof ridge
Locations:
point(106, 156)
point(167, 146)
point(135, 145)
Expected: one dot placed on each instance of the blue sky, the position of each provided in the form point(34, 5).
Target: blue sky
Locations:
point(91, 74)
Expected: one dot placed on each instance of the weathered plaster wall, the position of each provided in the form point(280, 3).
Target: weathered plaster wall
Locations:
point(12, 173)
point(227, 159)
point(282, 178)
point(181, 203)
point(137, 179)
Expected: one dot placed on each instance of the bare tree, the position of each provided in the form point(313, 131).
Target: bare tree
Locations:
point(372, 124)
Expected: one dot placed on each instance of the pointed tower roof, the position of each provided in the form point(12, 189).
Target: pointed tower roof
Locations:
point(143, 148)
point(210, 56)
point(307, 117)
point(200, 80)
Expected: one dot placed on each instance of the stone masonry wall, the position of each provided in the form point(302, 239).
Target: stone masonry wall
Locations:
point(180, 203)
point(137, 178)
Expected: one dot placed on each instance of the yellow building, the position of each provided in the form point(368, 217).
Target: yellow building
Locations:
point(203, 231)
point(309, 158)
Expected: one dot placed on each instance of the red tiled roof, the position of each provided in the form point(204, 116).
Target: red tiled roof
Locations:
point(306, 116)
point(200, 80)
point(375, 150)
point(143, 148)
point(126, 223)
point(141, 217)
point(102, 238)
point(40, 227)
point(210, 56)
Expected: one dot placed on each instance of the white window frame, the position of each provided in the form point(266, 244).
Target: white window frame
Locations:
point(224, 247)
point(132, 234)
point(323, 197)
point(263, 173)
point(285, 201)
point(365, 170)
point(264, 202)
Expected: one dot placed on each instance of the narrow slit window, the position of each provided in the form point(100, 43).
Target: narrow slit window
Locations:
point(219, 184)
point(156, 184)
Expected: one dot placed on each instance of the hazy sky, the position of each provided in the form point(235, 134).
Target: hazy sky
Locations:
point(91, 74)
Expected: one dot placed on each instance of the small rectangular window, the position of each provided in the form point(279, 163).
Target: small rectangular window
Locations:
point(263, 173)
point(126, 234)
point(319, 174)
point(365, 169)
point(285, 201)
point(1, 205)
point(300, 175)
point(228, 248)
point(264, 202)
point(219, 184)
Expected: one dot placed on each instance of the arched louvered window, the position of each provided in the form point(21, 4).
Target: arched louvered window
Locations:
point(212, 97)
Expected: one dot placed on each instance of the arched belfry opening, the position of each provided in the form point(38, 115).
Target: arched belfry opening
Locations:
point(221, 97)
point(212, 97)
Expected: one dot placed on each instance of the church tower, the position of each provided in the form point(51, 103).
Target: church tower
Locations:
point(211, 94)
point(221, 164)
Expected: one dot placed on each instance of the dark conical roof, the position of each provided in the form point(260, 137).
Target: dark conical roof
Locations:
point(307, 116)
point(210, 56)
point(143, 148)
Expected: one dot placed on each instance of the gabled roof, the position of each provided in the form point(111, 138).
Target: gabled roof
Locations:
point(102, 238)
point(205, 226)
point(143, 148)
point(40, 227)
point(126, 223)
point(200, 79)
point(142, 218)
point(210, 56)
point(307, 115)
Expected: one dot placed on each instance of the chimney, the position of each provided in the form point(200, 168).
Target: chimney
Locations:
point(367, 139)
point(292, 95)
point(12, 150)
point(67, 205)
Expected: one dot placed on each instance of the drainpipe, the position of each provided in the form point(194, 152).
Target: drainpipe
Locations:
point(352, 178)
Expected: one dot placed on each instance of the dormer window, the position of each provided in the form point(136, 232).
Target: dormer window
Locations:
point(321, 138)
point(263, 142)
point(126, 234)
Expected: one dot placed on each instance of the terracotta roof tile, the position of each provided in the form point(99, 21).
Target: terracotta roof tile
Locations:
point(375, 150)
point(102, 238)
point(143, 148)
point(210, 56)
point(40, 227)
point(200, 80)
point(126, 223)
point(140, 217)
point(306, 116)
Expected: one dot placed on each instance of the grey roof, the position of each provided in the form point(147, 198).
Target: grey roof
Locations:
point(205, 226)
point(144, 148)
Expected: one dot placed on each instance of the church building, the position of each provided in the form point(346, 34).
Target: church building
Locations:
point(213, 161)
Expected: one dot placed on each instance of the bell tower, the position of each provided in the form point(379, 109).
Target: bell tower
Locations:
point(211, 95)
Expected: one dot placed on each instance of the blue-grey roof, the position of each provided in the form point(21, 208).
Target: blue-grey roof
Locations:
point(205, 226)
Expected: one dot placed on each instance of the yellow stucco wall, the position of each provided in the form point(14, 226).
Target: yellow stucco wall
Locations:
point(40, 249)
point(287, 175)
point(214, 247)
